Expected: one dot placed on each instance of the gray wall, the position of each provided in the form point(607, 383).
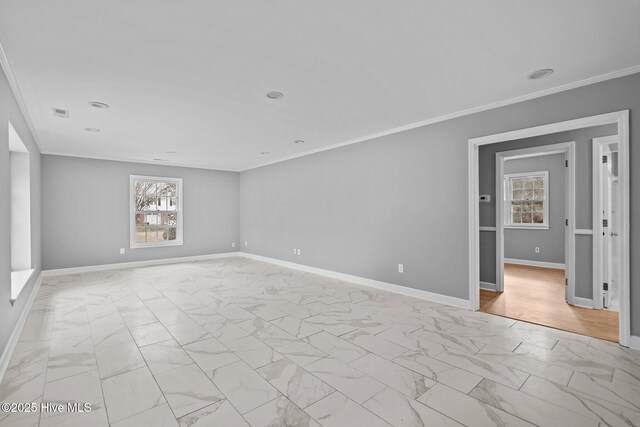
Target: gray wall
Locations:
point(521, 244)
point(402, 198)
point(583, 139)
point(9, 111)
point(86, 211)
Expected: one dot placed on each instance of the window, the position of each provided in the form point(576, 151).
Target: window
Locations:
point(526, 200)
point(20, 213)
point(156, 211)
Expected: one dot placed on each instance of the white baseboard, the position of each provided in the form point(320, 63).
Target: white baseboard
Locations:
point(17, 330)
point(390, 287)
point(634, 342)
point(488, 286)
point(583, 302)
point(134, 264)
point(534, 263)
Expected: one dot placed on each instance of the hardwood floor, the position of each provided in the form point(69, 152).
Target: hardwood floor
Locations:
point(536, 295)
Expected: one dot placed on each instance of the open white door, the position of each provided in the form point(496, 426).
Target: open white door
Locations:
point(606, 210)
point(569, 241)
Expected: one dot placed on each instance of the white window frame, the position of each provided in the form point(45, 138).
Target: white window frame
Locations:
point(22, 267)
point(508, 193)
point(132, 214)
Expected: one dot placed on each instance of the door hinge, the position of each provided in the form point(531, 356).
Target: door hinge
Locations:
point(566, 281)
point(605, 286)
point(566, 163)
point(604, 159)
point(605, 223)
point(566, 221)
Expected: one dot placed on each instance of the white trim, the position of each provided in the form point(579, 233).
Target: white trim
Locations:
point(179, 240)
point(483, 228)
point(634, 342)
point(566, 148)
point(4, 62)
point(532, 263)
point(17, 329)
point(134, 264)
point(583, 302)
point(169, 164)
point(17, 94)
point(526, 227)
point(597, 215)
point(467, 112)
point(19, 280)
point(416, 293)
point(488, 286)
point(584, 231)
point(621, 119)
point(390, 287)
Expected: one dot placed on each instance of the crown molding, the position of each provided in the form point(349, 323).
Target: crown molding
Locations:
point(467, 112)
point(17, 94)
point(144, 162)
point(4, 62)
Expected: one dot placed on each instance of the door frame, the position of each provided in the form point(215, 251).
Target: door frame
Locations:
point(598, 229)
point(568, 149)
point(621, 119)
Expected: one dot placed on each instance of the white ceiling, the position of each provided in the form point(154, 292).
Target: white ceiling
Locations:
point(191, 77)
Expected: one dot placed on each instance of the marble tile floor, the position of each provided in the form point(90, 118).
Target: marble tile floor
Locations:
point(235, 342)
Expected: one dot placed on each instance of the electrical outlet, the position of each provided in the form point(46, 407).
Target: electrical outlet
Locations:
point(246, 243)
point(295, 251)
point(537, 250)
point(233, 245)
point(298, 251)
point(121, 251)
point(400, 268)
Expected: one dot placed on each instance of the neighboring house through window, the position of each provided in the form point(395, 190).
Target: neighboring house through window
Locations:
point(527, 199)
point(156, 211)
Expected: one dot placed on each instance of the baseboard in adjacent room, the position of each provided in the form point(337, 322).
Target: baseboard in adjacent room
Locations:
point(634, 342)
point(583, 302)
point(390, 287)
point(134, 264)
point(17, 330)
point(488, 286)
point(534, 263)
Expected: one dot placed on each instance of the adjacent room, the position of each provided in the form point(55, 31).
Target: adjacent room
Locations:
point(328, 214)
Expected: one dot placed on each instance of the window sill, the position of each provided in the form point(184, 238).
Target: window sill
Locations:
point(527, 227)
point(18, 281)
point(155, 244)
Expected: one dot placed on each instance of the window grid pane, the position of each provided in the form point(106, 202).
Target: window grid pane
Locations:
point(527, 199)
point(156, 216)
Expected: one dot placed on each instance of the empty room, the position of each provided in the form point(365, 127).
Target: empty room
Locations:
point(280, 213)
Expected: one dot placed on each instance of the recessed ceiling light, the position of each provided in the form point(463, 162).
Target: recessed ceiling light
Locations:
point(170, 152)
point(298, 141)
point(161, 160)
point(275, 95)
point(540, 74)
point(98, 104)
point(92, 129)
point(265, 153)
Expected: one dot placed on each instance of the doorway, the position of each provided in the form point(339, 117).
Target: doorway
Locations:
point(535, 211)
point(580, 283)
